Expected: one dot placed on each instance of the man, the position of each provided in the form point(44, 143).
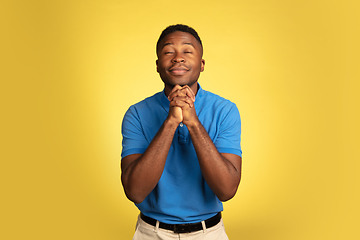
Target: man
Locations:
point(181, 151)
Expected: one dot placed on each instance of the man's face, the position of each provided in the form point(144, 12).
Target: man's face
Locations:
point(179, 59)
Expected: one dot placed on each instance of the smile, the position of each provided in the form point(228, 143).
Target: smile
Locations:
point(178, 70)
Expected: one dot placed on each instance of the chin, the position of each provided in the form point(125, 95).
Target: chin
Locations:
point(182, 83)
point(189, 84)
point(172, 82)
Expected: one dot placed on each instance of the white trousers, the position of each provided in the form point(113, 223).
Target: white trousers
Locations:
point(145, 231)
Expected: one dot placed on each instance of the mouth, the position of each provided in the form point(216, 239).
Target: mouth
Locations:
point(178, 70)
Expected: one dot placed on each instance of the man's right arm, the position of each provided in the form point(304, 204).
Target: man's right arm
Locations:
point(140, 173)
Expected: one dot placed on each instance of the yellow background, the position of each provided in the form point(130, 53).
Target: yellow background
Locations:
point(70, 70)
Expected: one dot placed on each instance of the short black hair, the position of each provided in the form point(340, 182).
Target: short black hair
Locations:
point(178, 27)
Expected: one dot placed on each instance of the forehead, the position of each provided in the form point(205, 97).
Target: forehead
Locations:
point(180, 38)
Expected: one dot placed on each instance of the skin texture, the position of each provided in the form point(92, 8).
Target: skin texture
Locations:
point(179, 65)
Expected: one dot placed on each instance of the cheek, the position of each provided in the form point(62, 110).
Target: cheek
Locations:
point(161, 65)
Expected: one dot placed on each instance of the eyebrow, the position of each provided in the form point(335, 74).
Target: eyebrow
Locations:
point(184, 43)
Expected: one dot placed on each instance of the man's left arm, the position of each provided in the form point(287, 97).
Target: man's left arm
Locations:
point(221, 171)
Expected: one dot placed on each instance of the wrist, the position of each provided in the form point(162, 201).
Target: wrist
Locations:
point(195, 123)
point(172, 122)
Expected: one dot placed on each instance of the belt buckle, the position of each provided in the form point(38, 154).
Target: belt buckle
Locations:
point(182, 228)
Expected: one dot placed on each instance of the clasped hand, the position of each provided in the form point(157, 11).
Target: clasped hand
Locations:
point(182, 108)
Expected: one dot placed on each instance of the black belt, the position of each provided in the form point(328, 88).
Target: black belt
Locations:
point(183, 228)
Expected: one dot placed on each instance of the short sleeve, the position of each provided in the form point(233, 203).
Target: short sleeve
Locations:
point(228, 140)
point(134, 140)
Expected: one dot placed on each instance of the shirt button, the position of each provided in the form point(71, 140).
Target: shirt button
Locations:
point(181, 124)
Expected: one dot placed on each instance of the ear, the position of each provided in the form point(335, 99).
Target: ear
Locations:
point(157, 67)
point(202, 65)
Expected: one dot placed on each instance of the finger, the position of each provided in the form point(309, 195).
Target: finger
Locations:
point(180, 104)
point(180, 101)
point(177, 87)
point(177, 93)
point(184, 91)
point(184, 99)
point(189, 92)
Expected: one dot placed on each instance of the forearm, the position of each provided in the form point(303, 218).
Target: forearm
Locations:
point(140, 176)
point(222, 176)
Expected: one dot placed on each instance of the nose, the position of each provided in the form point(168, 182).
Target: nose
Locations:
point(178, 58)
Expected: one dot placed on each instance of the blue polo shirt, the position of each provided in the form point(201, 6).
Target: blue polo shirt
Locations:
point(181, 195)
